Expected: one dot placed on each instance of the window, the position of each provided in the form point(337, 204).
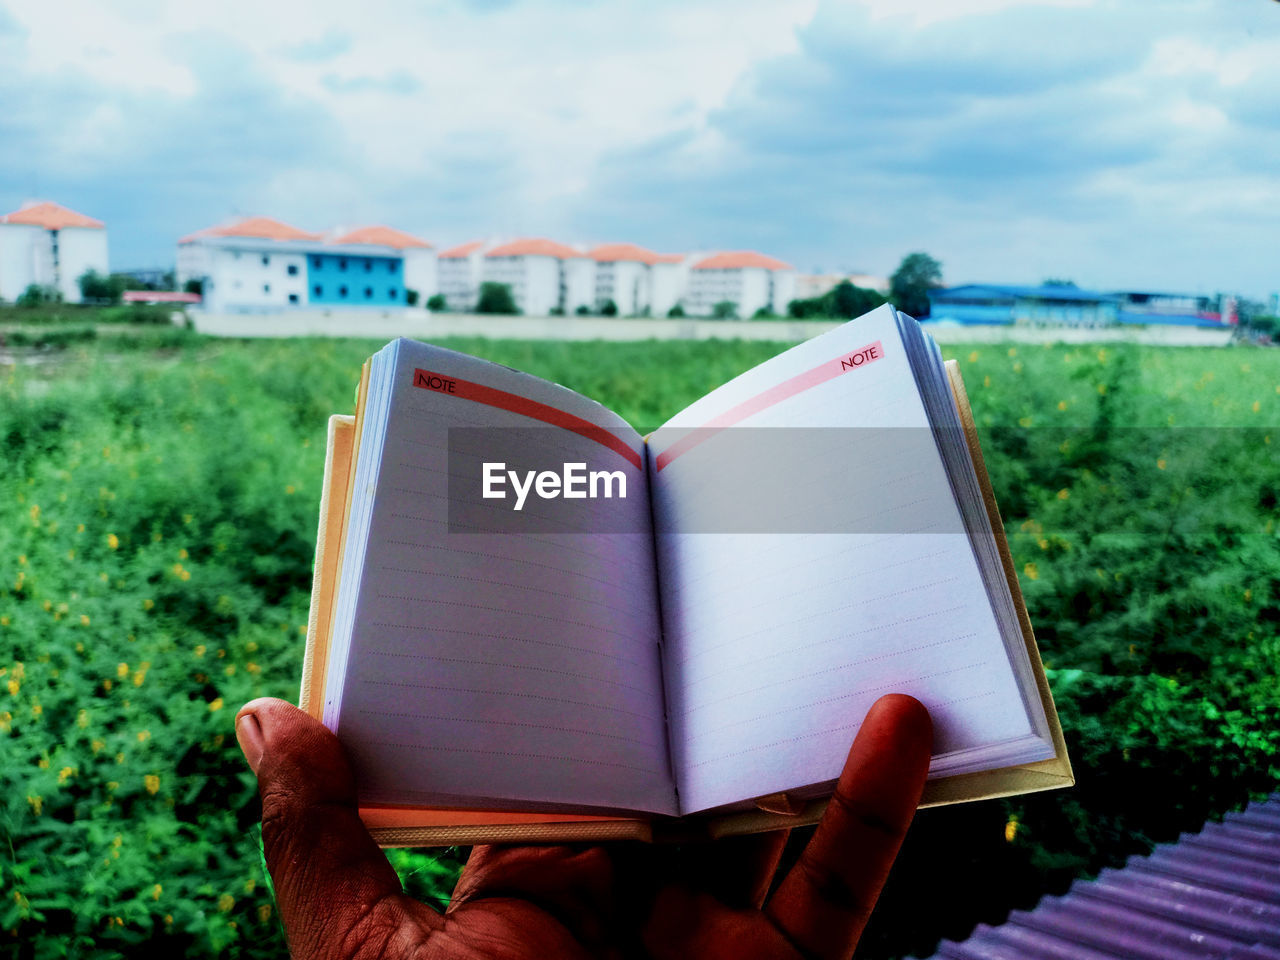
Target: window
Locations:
point(315, 262)
point(293, 270)
point(293, 298)
point(266, 259)
point(368, 266)
point(391, 265)
point(342, 263)
point(368, 293)
point(266, 288)
point(392, 293)
point(342, 291)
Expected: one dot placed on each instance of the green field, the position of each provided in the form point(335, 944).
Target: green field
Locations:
point(157, 514)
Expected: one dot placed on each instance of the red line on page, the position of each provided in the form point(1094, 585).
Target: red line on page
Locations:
point(489, 396)
point(774, 395)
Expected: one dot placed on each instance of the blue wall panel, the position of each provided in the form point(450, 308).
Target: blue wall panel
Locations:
point(355, 281)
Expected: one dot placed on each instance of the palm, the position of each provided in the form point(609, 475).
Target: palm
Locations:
point(341, 900)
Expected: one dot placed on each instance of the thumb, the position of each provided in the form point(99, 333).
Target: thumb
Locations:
point(333, 885)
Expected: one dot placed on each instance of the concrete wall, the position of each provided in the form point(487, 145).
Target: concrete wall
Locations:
point(17, 259)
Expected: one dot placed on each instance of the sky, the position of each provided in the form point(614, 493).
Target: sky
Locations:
point(1121, 144)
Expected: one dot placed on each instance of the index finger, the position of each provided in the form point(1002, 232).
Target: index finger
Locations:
point(823, 903)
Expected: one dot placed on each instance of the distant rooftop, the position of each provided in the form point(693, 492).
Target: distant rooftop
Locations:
point(382, 237)
point(258, 228)
point(740, 259)
point(461, 251)
point(534, 247)
point(615, 252)
point(1008, 292)
point(51, 216)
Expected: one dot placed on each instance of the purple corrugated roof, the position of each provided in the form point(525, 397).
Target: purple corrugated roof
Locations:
point(1214, 895)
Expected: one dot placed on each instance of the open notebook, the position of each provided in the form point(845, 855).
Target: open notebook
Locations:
point(690, 649)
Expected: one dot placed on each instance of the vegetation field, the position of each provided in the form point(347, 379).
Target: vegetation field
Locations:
point(158, 505)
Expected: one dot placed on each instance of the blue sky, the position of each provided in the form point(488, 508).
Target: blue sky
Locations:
point(1121, 144)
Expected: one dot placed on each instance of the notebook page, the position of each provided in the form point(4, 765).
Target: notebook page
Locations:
point(486, 668)
point(820, 563)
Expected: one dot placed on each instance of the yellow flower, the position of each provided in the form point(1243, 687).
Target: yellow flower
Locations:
point(152, 782)
point(199, 651)
point(36, 710)
point(4, 621)
point(97, 746)
point(187, 517)
point(226, 902)
point(290, 490)
point(1013, 351)
point(182, 554)
point(252, 667)
point(84, 619)
point(37, 803)
point(1031, 571)
point(148, 603)
point(35, 514)
point(117, 841)
point(1102, 389)
point(1064, 494)
point(1024, 421)
point(82, 719)
point(79, 528)
point(44, 763)
point(122, 670)
point(65, 774)
point(1257, 405)
point(1161, 464)
point(264, 912)
point(1062, 404)
point(107, 684)
point(155, 892)
point(119, 758)
point(6, 722)
point(144, 736)
point(113, 541)
point(986, 381)
point(250, 885)
point(14, 687)
point(216, 705)
point(1011, 830)
point(973, 356)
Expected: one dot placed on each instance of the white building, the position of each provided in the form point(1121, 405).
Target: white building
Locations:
point(748, 280)
point(623, 277)
point(261, 264)
point(50, 246)
point(458, 272)
point(543, 275)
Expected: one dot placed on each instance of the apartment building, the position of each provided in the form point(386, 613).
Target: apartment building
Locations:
point(49, 245)
point(750, 281)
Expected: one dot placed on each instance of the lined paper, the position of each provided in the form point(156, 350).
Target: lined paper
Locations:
point(776, 643)
point(488, 668)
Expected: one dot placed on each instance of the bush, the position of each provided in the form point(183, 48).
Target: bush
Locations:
point(410, 297)
point(496, 298)
point(100, 288)
point(195, 286)
point(583, 310)
point(676, 311)
point(608, 309)
point(436, 303)
point(36, 296)
point(843, 301)
point(47, 338)
point(725, 310)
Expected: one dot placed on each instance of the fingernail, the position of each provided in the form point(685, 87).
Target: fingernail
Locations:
point(249, 736)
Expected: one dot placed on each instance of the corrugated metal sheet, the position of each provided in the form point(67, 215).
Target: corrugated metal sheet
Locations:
point(1213, 895)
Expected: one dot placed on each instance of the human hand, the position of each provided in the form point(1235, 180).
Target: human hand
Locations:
point(340, 899)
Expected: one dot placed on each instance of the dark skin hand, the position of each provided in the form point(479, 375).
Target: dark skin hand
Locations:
point(339, 899)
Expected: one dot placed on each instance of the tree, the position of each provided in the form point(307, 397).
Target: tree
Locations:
point(496, 298)
point(910, 284)
point(608, 309)
point(194, 285)
point(436, 303)
point(676, 311)
point(583, 310)
point(102, 288)
point(410, 297)
point(764, 313)
point(725, 310)
point(843, 301)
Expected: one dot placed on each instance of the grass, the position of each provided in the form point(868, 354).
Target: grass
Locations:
point(157, 515)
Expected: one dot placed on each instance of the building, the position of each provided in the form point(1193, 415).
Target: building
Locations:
point(810, 286)
point(261, 264)
point(543, 275)
point(50, 246)
point(1047, 304)
point(748, 280)
point(458, 272)
point(636, 280)
point(1179, 309)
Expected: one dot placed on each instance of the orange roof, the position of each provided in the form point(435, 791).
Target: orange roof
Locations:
point(383, 237)
point(613, 252)
point(51, 216)
point(668, 257)
point(259, 228)
point(740, 259)
point(462, 250)
point(534, 247)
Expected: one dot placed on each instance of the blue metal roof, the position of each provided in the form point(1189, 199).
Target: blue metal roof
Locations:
point(1214, 894)
point(996, 291)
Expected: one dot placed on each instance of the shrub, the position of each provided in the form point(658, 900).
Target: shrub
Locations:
point(436, 303)
point(496, 298)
